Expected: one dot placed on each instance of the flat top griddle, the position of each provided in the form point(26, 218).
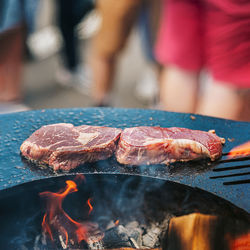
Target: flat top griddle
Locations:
point(16, 127)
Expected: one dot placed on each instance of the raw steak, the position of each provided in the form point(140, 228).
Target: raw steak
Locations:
point(64, 147)
point(154, 145)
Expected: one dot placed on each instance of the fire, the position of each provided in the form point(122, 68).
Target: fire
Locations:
point(90, 206)
point(202, 231)
point(241, 243)
point(56, 222)
point(241, 150)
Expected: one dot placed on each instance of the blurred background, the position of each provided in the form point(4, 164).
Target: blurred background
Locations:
point(41, 83)
point(157, 54)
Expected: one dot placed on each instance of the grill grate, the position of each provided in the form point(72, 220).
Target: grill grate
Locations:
point(16, 127)
point(237, 169)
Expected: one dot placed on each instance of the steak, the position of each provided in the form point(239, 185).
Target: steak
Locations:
point(64, 146)
point(156, 145)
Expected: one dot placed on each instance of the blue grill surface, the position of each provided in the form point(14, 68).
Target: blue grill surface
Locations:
point(16, 127)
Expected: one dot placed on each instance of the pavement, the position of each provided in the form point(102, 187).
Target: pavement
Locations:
point(41, 90)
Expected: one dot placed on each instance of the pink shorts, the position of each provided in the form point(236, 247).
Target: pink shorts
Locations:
point(211, 34)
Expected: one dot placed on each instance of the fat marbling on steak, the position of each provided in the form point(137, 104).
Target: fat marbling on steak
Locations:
point(64, 146)
point(156, 145)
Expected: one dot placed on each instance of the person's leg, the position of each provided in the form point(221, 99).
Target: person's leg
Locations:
point(179, 49)
point(179, 90)
point(220, 100)
point(103, 70)
point(228, 64)
point(70, 13)
point(66, 25)
point(117, 20)
point(245, 111)
point(11, 52)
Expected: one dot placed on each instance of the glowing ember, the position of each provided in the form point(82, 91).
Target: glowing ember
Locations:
point(241, 150)
point(57, 223)
point(90, 206)
point(241, 243)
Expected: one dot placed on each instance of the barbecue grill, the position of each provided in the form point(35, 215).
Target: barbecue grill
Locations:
point(225, 181)
point(17, 127)
point(129, 198)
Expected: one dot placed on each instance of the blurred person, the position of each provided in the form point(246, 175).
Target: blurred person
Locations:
point(147, 87)
point(16, 19)
point(70, 14)
point(211, 35)
point(118, 18)
point(11, 50)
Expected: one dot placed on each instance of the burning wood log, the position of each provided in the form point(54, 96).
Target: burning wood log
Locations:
point(206, 232)
point(240, 243)
point(191, 232)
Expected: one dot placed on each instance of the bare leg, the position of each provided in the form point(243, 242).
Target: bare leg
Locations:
point(118, 18)
point(220, 100)
point(11, 50)
point(245, 112)
point(103, 73)
point(178, 90)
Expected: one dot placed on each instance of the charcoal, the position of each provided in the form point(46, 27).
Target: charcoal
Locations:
point(95, 245)
point(110, 225)
point(117, 237)
point(152, 237)
point(135, 233)
point(154, 233)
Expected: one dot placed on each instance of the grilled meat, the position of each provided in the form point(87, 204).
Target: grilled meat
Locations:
point(156, 145)
point(64, 146)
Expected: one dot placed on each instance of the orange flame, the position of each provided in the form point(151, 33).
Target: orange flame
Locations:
point(57, 221)
point(90, 206)
point(46, 227)
point(241, 150)
point(241, 243)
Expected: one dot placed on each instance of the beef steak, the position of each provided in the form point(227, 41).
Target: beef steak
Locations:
point(64, 146)
point(154, 145)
